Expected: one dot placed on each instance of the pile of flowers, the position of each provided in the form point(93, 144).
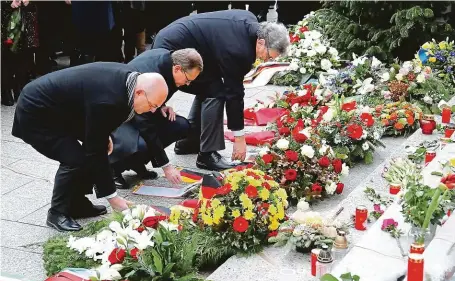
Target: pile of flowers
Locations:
point(440, 57)
point(306, 230)
point(362, 76)
point(246, 210)
point(308, 54)
point(398, 118)
point(353, 132)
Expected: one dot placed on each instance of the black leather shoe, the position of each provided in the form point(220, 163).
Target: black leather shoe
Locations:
point(213, 162)
point(89, 212)
point(184, 147)
point(120, 182)
point(144, 173)
point(62, 222)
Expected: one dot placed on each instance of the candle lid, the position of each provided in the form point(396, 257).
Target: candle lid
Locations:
point(324, 255)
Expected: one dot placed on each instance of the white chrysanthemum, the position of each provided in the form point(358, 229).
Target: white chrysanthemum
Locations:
point(365, 146)
point(307, 151)
point(326, 64)
point(376, 135)
point(303, 205)
point(303, 70)
point(330, 188)
point(282, 144)
point(311, 53)
point(344, 170)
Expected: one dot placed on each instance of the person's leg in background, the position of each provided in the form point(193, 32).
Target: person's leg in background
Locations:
point(7, 76)
point(191, 144)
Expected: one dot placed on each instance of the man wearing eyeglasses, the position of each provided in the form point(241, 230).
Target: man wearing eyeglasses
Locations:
point(145, 137)
point(85, 104)
point(229, 43)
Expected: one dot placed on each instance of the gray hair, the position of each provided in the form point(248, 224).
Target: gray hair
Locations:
point(188, 58)
point(276, 36)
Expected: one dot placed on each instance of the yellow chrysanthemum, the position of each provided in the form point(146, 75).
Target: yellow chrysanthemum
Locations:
point(273, 183)
point(432, 59)
point(208, 220)
point(236, 213)
point(264, 194)
point(249, 215)
point(274, 225)
point(219, 212)
point(272, 210)
point(281, 192)
point(426, 46)
point(280, 212)
point(254, 182)
point(215, 203)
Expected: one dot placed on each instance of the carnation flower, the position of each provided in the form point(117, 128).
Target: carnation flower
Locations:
point(337, 165)
point(303, 206)
point(307, 151)
point(340, 187)
point(290, 174)
point(326, 64)
point(385, 77)
point(324, 162)
point(315, 187)
point(330, 188)
point(355, 131)
point(292, 155)
point(345, 170)
point(267, 158)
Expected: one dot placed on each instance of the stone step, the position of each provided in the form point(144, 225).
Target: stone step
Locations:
point(281, 263)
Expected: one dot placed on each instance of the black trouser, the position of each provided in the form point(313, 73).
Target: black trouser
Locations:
point(168, 132)
point(69, 185)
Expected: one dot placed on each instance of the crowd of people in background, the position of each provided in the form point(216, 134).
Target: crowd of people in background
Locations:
point(89, 31)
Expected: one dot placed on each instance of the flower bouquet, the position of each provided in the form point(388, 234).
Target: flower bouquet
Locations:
point(353, 133)
point(302, 162)
point(430, 93)
point(246, 210)
point(305, 231)
point(308, 54)
point(399, 118)
point(440, 57)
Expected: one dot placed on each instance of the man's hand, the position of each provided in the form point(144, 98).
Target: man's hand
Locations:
point(15, 4)
point(168, 111)
point(172, 175)
point(25, 2)
point(68, 2)
point(110, 146)
point(239, 152)
point(119, 204)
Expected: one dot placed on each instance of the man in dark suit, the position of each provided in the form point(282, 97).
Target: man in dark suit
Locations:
point(144, 138)
point(229, 43)
point(84, 103)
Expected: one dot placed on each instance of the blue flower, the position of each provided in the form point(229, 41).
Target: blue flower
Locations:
point(440, 56)
point(452, 53)
point(449, 69)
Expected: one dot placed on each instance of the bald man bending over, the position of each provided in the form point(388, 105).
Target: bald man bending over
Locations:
point(84, 103)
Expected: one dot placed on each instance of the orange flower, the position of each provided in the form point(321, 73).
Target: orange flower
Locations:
point(399, 126)
point(385, 122)
point(393, 116)
point(410, 120)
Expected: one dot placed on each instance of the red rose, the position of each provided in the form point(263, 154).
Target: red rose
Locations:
point(340, 187)
point(8, 42)
point(240, 224)
point(153, 221)
point(290, 174)
point(303, 29)
point(292, 155)
point(315, 187)
point(298, 137)
point(284, 131)
point(267, 158)
point(349, 106)
point(140, 229)
point(324, 161)
point(355, 131)
point(251, 191)
point(225, 189)
point(266, 185)
point(134, 252)
point(117, 256)
point(367, 119)
point(272, 234)
point(337, 165)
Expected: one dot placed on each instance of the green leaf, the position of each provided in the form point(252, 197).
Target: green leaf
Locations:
point(368, 157)
point(346, 277)
point(329, 277)
point(157, 261)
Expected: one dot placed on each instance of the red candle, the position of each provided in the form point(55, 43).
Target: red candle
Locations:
point(448, 132)
point(394, 188)
point(427, 124)
point(314, 260)
point(429, 156)
point(417, 248)
point(361, 215)
point(446, 112)
point(415, 267)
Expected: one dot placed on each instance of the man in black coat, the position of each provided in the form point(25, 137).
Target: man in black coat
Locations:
point(84, 103)
point(144, 138)
point(229, 43)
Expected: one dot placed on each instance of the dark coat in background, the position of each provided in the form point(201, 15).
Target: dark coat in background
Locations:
point(226, 41)
point(86, 103)
point(126, 137)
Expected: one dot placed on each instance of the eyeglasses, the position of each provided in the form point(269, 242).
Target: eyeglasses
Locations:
point(151, 106)
point(188, 81)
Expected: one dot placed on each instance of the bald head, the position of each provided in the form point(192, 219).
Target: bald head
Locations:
point(150, 93)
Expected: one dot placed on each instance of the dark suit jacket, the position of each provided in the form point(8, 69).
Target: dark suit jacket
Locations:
point(86, 102)
point(126, 137)
point(226, 41)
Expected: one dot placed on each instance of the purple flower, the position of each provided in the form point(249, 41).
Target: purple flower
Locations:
point(452, 53)
point(386, 223)
point(449, 69)
point(440, 56)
